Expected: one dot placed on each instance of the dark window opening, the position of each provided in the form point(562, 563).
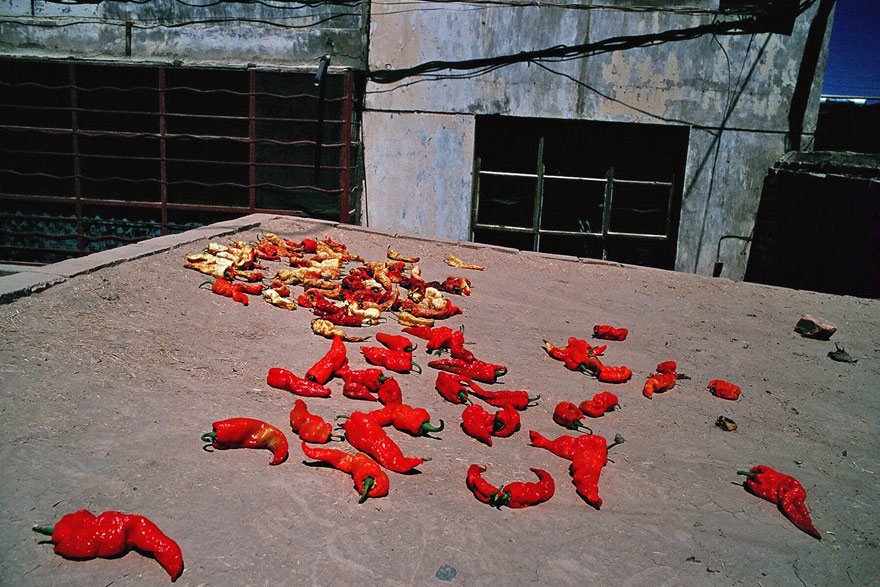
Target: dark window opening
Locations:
point(94, 156)
point(590, 189)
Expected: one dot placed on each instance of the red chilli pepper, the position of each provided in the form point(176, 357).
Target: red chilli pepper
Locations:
point(335, 359)
point(364, 434)
point(404, 417)
point(284, 379)
point(248, 433)
point(659, 383)
point(309, 427)
point(568, 415)
point(667, 367)
point(389, 392)
point(522, 495)
point(507, 422)
point(563, 446)
point(620, 374)
point(482, 489)
point(478, 423)
point(588, 455)
point(395, 342)
point(600, 404)
point(724, 389)
point(81, 535)
point(369, 478)
point(606, 332)
point(397, 361)
point(227, 289)
point(591, 455)
point(477, 370)
point(783, 490)
point(515, 398)
point(354, 390)
point(452, 387)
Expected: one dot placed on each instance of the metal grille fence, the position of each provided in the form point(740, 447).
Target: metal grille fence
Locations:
point(94, 155)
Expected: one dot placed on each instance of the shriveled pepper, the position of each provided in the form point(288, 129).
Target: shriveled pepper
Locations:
point(658, 383)
point(397, 361)
point(591, 455)
point(478, 423)
point(364, 434)
point(620, 374)
point(588, 455)
point(248, 433)
point(369, 478)
point(452, 387)
point(520, 494)
point(395, 342)
point(600, 404)
point(606, 332)
point(506, 423)
point(406, 418)
point(476, 370)
point(309, 427)
point(354, 390)
point(227, 289)
point(82, 535)
point(515, 398)
point(371, 378)
point(482, 489)
point(783, 490)
point(332, 361)
point(284, 379)
point(724, 389)
point(568, 415)
point(389, 392)
point(579, 355)
point(667, 367)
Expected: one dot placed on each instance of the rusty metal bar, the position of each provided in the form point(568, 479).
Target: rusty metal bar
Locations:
point(539, 199)
point(345, 159)
point(163, 152)
point(252, 144)
point(77, 184)
point(606, 210)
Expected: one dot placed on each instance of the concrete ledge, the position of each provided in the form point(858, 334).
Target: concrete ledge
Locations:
point(553, 256)
point(21, 285)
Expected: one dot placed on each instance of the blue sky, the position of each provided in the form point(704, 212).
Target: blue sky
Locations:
point(854, 55)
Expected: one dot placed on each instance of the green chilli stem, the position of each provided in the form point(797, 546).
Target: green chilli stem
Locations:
point(209, 437)
point(416, 367)
point(47, 530)
point(748, 474)
point(368, 485)
point(428, 427)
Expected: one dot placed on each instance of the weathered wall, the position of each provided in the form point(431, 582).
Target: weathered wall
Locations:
point(229, 33)
point(740, 83)
point(417, 182)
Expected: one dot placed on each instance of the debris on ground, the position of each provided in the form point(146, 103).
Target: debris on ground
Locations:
point(813, 327)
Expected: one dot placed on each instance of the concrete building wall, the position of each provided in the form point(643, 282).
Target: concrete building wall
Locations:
point(278, 34)
point(427, 189)
point(740, 83)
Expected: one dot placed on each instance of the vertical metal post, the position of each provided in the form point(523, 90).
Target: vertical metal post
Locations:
point(606, 210)
point(252, 141)
point(539, 199)
point(475, 196)
point(669, 208)
point(163, 163)
point(77, 172)
point(345, 157)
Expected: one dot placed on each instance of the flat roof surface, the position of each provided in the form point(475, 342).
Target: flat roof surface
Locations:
point(112, 374)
